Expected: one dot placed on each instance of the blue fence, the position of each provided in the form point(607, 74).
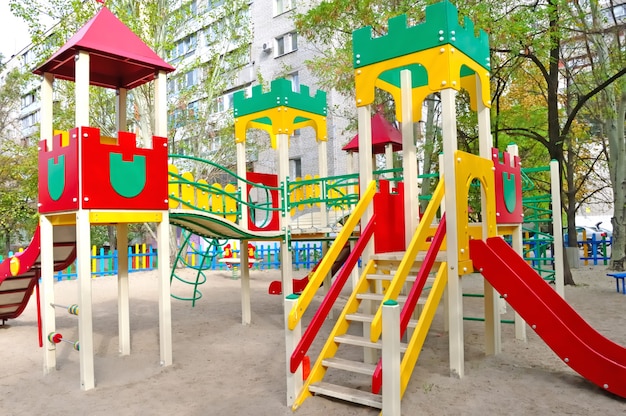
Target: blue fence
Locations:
point(142, 258)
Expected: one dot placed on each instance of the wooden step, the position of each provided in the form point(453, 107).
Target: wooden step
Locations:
point(391, 261)
point(379, 297)
point(348, 394)
point(410, 278)
point(363, 342)
point(367, 318)
point(349, 365)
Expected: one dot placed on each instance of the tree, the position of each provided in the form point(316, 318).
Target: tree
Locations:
point(18, 167)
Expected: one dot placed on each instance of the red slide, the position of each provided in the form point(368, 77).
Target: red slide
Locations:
point(585, 350)
point(20, 273)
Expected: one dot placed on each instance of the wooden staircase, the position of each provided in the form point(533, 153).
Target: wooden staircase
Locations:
point(340, 371)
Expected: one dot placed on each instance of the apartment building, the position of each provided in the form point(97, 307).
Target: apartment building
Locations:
point(274, 50)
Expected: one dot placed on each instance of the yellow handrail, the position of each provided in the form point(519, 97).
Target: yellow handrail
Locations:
point(423, 325)
point(404, 268)
point(317, 277)
point(341, 327)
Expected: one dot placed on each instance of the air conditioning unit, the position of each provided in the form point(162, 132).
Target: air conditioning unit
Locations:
point(267, 46)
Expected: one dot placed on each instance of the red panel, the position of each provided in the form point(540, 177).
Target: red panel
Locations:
point(576, 343)
point(389, 208)
point(508, 188)
point(121, 175)
point(58, 175)
point(267, 180)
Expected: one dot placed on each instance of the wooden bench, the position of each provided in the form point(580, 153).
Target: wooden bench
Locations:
point(619, 277)
point(235, 263)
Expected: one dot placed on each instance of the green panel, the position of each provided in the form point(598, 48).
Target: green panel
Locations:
point(127, 178)
point(419, 75)
point(510, 197)
point(440, 27)
point(280, 94)
point(56, 177)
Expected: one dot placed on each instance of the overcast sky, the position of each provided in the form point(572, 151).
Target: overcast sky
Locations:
point(13, 32)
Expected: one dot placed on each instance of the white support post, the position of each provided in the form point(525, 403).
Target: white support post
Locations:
point(366, 175)
point(493, 338)
point(389, 160)
point(455, 289)
point(354, 276)
point(518, 246)
point(391, 359)
point(282, 141)
point(160, 107)
point(123, 301)
point(85, 318)
point(45, 123)
point(557, 227)
point(409, 158)
point(82, 90)
point(165, 306)
point(241, 184)
point(322, 152)
point(446, 298)
point(48, 315)
point(292, 338)
point(120, 109)
point(246, 314)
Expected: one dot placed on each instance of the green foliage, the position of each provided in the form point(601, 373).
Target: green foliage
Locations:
point(18, 192)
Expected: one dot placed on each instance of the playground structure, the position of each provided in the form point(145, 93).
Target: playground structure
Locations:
point(86, 179)
point(410, 63)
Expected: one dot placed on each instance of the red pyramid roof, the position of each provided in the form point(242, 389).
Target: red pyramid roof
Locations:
point(118, 57)
point(383, 133)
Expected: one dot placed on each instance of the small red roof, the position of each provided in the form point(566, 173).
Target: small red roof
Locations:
point(118, 58)
point(383, 133)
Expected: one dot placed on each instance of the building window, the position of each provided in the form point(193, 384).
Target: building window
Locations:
point(30, 120)
point(286, 43)
point(28, 99)
point(295, 168)
point(295, 81)
point(192, 110)
point(184, 46)
point(191, 78)
point(282, 6)
point(212, 4)
point(224, 103)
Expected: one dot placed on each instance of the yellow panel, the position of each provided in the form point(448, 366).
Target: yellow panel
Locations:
point(108, 140)
point(188, 191)
point(65, 137)
point(443, 65)
point(62, 219)
point(468, 168)
point(308, 189)
point(202, 196)
point(230, 203)
point(114, 217)
point(217, 200)
point(173, 189)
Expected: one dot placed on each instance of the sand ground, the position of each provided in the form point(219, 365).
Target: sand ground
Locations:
point(224, 368)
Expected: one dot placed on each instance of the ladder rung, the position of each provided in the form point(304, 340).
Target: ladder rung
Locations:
point(363, 342)
point(349, 365)
point(348, 394)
